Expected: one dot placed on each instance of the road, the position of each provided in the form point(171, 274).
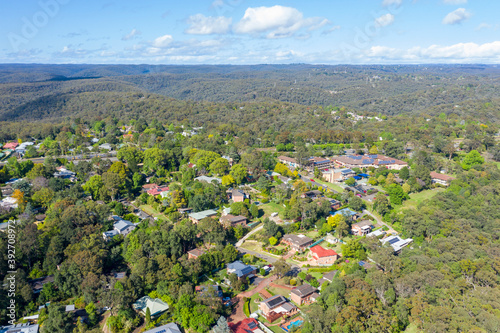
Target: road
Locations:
point(241, 241)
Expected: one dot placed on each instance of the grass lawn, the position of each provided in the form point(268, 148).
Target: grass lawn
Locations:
point(417, 198)
point(312, 234)
point(254, 306)
point(316, 275)
point(280, 291)
point(151, 211)
point(332, 186)
point(272, 207)
point(257, 247)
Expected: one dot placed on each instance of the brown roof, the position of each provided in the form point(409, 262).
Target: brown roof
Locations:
point(288, 159)
point(196, 252)
point(232, 219)
point(364, 223)
point(304, 290)
point(299, 240)
point(446, 178)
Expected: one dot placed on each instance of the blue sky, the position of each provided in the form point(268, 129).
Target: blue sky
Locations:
point(250, 32)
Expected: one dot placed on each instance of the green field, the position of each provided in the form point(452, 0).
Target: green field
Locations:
point(153, 212)
point(272, 207)
point(332, 186)
point(280, 291)
point(254, 306)
point(417, 198)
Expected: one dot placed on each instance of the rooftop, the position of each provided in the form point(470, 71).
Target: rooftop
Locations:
point(303, 290)
point(201, 215)
point(441, 176)
point(299, 240)
point(156, 306)
point(169, 328)
point(322, 252)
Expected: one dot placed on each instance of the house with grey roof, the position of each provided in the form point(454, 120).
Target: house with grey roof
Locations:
point(397, 243)
point(19, 328)
point(302, 294)
point(198, 216)
point(168, 328)
point(120, 227)
point(240, 269)
point(156, 306)
point(208, 179)
point(275, 307)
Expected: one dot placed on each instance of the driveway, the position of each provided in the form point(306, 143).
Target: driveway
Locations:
point(392, 231)
point(238, 314)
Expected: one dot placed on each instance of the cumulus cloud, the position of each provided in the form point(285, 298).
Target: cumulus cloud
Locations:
point(133, 34)
point(457, 16)
point(276, 21)
point(387, 3)
point(162, 41)
point(483, 26)
point(384, 20)
point(203, 25)
point(454, 2)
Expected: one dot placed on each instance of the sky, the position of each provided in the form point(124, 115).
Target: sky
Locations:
point(250, 31)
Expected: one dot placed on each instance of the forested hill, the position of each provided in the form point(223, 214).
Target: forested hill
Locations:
point(39, 89)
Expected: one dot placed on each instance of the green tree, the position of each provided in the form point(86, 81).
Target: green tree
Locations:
point(93, 185)
point(381, 204)
point(58, 320)
point(356, 203)
point(43, 197)
point(254, 210)
point(350, 181)
point(238, 172)
point(404, 173)
point(281, 267)
point(342, 228)
point(373, 150)
point(396, 194)
point(471, 159)
point(230, 253)
point(148, 316)
point(227, 180)
point(220, 166)
point(273, 241)
point(91, 310)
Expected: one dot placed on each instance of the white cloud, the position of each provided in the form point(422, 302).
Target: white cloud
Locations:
point(384, 20)
point(483, 26)
point(277, 21)
point(454, 2)
point(387, 3)
point(456, 53)
point(162, 41)
point(134, 33)
point(203, 25)
point(331, 29)
point(457, 16)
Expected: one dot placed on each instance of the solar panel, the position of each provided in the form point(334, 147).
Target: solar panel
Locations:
point(252, 325)
point(274, 302)
point(394, 240)
point(373, 156)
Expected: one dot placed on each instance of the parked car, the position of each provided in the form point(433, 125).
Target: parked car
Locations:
point(312, 179)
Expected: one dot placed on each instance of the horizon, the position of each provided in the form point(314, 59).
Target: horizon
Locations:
point(239, 32)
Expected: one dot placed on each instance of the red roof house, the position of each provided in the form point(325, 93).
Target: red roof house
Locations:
point(323, 256)
point(245, 326)
point(11, 145)
point(157, 190)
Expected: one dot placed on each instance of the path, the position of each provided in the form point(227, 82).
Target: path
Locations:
point(391, 230)
point(238, 313)
point(241, 241)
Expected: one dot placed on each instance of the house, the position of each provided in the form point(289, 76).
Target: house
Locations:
point(237, 195)
point(185, 210)
point(158, 190)
point(322, 256)
point(120, 227)
point(19, 328)
point(362, 228)
point(106, 146)
point(348, 213)
point(335, 204)
point(328, 277)
point(64, 173)
point(11, 145)
point(376, 233)
point(232, 221)
point(366, 265)
point(338, 175)
point(320, 163)
point(147, 187)
point(366, 161)
point(302, 294)
point(37, 284)
point(397, 243)
point(208, 179)
point(8, 203)
point(441, 179)
point(297, 242)
point(247, 325)
point(209, 291)
point(156, 306)
point(169, 328)
point(315, 194)
point(288, 161)
point(240, 269)
point(195, 253)
point(197, 217)
point(275, 307)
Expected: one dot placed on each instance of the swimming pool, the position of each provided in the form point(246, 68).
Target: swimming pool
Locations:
point(296, 323)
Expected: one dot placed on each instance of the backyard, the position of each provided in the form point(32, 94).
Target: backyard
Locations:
point(151, 211)
point(417, 198)
point(272, 207)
